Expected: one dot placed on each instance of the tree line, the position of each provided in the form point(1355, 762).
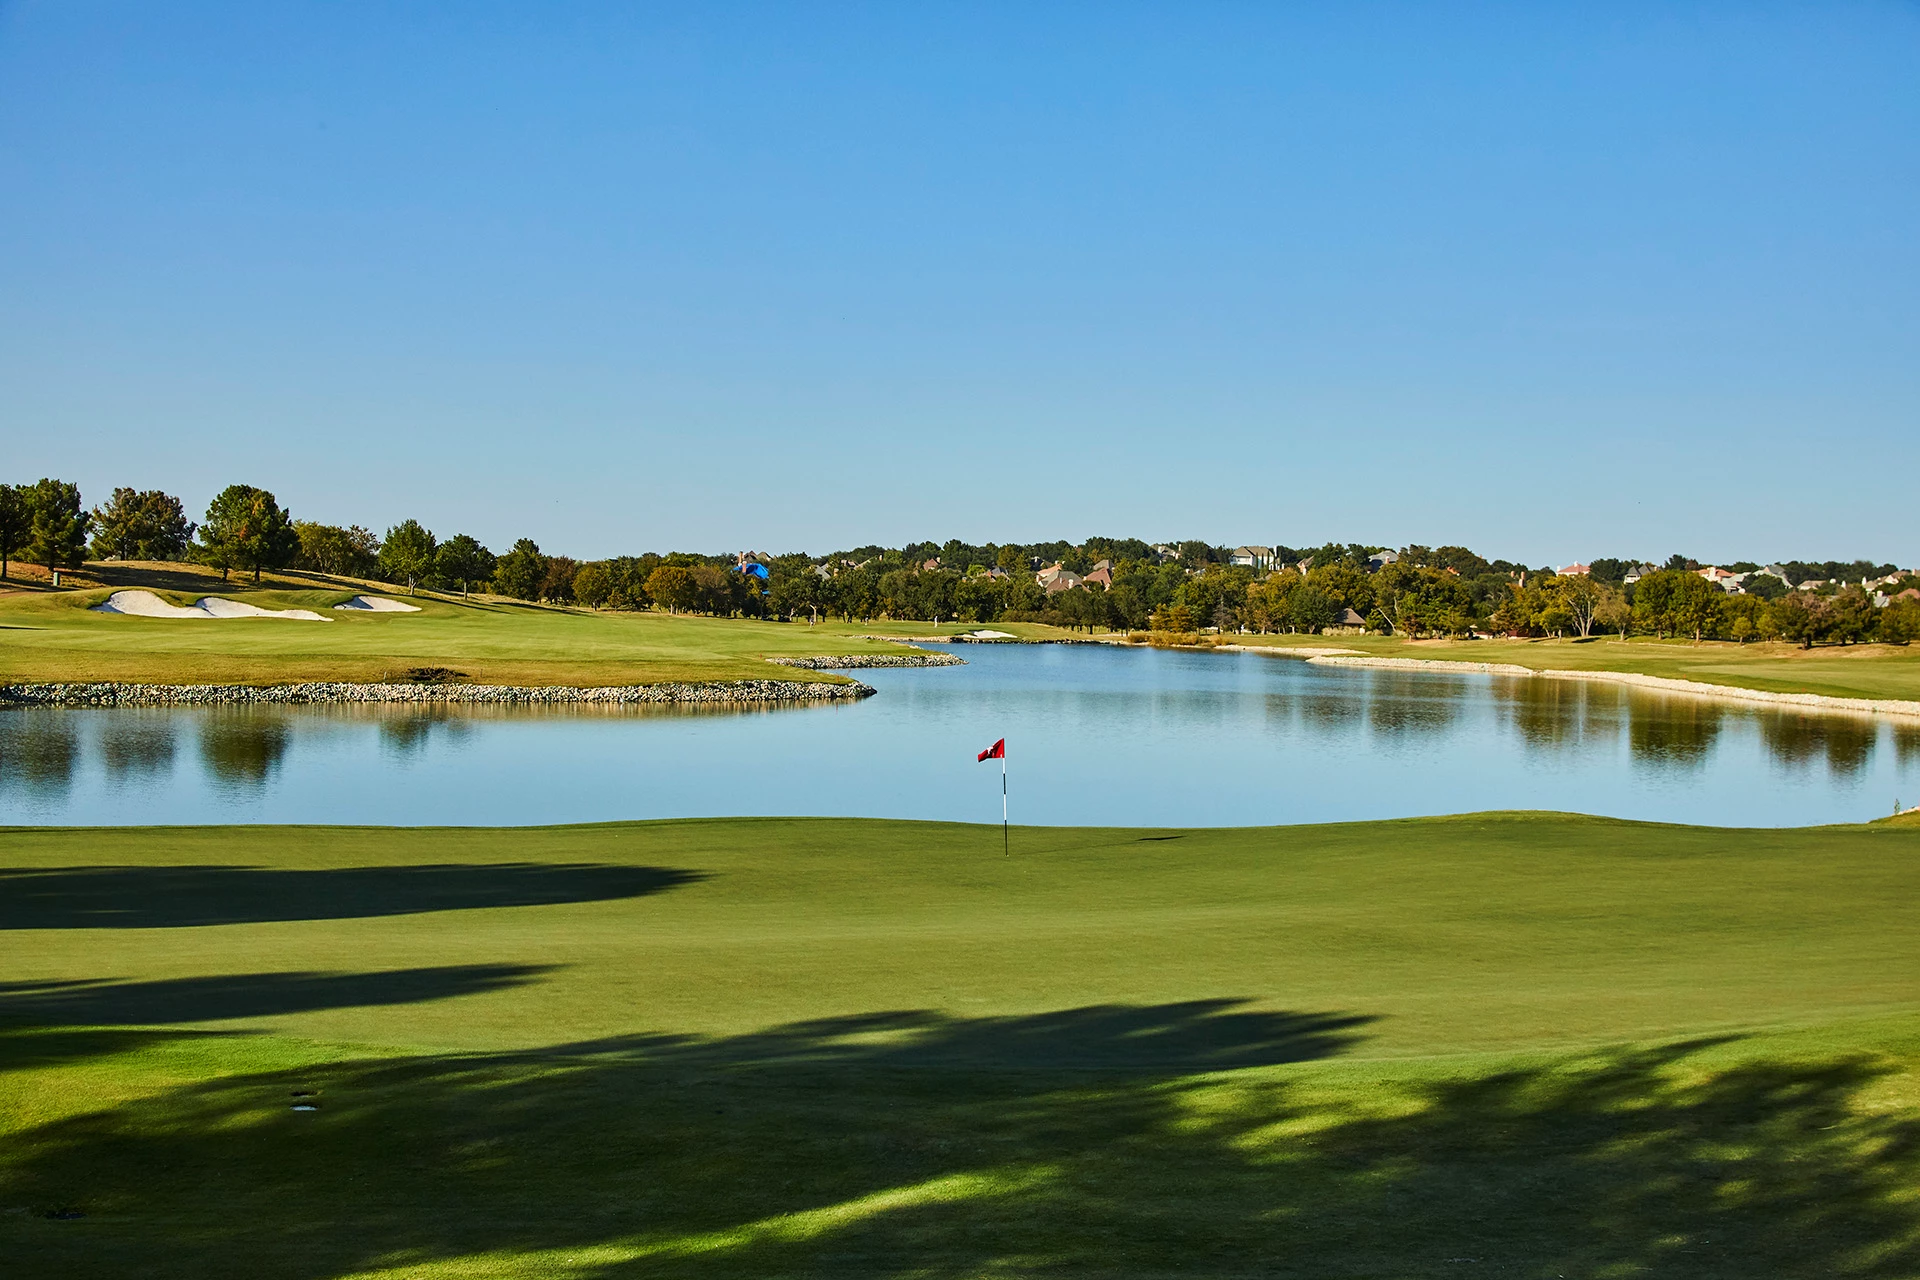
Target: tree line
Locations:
point(1178, 588)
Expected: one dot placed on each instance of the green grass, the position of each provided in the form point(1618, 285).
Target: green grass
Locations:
point(1852, 671)
point(1553, 1045)
point(56, 636)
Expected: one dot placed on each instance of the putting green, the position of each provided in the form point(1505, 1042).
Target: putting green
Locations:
point(1554, 1045)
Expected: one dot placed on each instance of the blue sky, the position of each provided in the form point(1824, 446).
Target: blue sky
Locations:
point(1553, 281)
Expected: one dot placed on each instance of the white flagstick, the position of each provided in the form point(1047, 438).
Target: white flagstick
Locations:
point(1005, 848)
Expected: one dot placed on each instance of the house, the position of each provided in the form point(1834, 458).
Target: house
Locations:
point(1381, 559)
point(1166, 551)
point(1577, 571)
point(1101, 575)
point(1348, 623)
point(1638, 572)
point(1046, 575)
point(931, 565)
point(1065, 580)
point(1251, 557)
point(1725, 579)
point(1777, 571)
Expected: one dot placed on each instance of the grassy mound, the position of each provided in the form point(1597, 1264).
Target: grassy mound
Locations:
point(1500, 1044)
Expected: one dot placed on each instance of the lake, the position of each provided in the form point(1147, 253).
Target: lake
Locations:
point(1096, 735)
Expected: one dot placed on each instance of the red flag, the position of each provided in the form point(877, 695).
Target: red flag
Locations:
point(998, 751)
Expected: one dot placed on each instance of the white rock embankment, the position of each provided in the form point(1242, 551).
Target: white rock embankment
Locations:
point(321, 692)
point(1692, 688)
point(851, 661)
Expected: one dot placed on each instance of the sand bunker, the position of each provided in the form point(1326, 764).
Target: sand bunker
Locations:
point(379, 604)
point(145, 604)
point(984, 634)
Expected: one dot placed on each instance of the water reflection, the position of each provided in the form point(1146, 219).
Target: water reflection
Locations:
point(244, 747)
point(1101, 737)
point(1560, 714)
point(38, 752)
point(1845, 742)
point(140, 745)
point(1412, 704)
point(409, 732)
point(1674, 732)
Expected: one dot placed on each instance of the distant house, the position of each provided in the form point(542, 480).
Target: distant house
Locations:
point(1777, 571)
point(1348, 623)
point(1166, 551)
point(1100, 575)
point(1638, 572)
point(932, 564)
point(1381, 559)
point(1046, 575)
point(1911, 593)
point(1065, 580)
point(1251, 557)
point(1725, 579)
point(1576, 571)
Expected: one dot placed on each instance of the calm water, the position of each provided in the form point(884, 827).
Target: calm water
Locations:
point(1095, 735)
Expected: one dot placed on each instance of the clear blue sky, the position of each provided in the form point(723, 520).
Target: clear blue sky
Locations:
point(1554, 281)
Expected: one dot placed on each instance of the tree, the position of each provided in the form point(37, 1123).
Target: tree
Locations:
point(57, 525)
point(1613, 612)
point(352, 552)
point(1311, 610)
point(520, 572)
point(15, 519)
point(592, 585)
point(1582, 597)
point(1900, 622)
point(462, 559)
point(556, 584)
point(407, 552)
point(674, 587)
point(246, 529)
point(135, 525)
point(1801, 618)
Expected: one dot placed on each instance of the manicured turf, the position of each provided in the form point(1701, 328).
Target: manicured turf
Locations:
point(1551, 1045)
point(56, 636)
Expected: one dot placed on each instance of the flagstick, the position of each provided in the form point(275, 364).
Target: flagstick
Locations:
point(1005, 849)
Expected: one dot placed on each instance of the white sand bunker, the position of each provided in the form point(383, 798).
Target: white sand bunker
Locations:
point(145, 604)
point(379, 604)
point(984, 634)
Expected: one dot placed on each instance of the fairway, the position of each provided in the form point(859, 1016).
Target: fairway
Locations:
point(1553, 1044)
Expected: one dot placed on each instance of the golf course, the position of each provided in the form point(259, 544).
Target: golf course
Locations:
point(1499, 1044)
point(60, 636)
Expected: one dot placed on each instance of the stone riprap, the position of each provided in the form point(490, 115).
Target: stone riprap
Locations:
point(848, 661)
point(103, 694)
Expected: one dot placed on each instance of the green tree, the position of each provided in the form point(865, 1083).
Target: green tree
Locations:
point(15, 520)
point(407, 553)
point(592, 585)
point(557, 583)
point(1311, 610)
point(352, 552)
point(136, 525)
point(673, 586)
point(246, 529)
point(1801, 618)
point(1900, 622)
point(57, 525)
point(464, 560)
point(520, 572)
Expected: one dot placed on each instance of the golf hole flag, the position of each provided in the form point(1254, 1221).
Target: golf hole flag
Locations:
point(998, 751)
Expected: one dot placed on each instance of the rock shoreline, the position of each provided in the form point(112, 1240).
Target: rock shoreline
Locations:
point(850, 661)
point(323, 692)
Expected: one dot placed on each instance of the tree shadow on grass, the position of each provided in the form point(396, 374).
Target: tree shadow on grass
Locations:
point(245, 995)
point(175, 897)
point(859, 1147)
